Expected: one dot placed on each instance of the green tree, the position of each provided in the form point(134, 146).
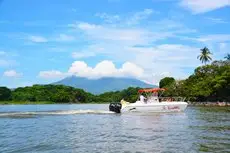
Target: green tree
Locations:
point(227, 57)
point(204, 56)
point(209, 83)
point(166, 82)
point(5, 94)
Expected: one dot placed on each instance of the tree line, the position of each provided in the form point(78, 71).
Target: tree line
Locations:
point(210, 82)
point(64, 94)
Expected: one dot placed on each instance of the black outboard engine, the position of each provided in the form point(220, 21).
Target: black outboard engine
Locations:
point(115, 107)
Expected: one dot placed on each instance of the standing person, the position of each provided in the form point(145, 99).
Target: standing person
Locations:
point(142, 98)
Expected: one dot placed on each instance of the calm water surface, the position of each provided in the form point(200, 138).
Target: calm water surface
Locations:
point(91, 128)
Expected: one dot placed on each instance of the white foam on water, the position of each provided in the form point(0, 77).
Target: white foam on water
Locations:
point(79, 112)
point(69, 112)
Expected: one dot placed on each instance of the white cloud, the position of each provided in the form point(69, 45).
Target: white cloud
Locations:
point(221, 50)
point(78, 55)
point(4, 63)
point(90, 51)
point(85, 26)
point(108, 18)
point(138, 16)
point(7, 63)
point(139, 45)
point(102, 69)
point(123, 35)
point(216, 20)
point(105, 69)
point(132, 19)
point(126, 33)
point(131, 69)
point(214, 38)
point(158, 60)
point(149, 64)
point(167, 55)
point(202, 6)
point(12, 73)
point(165, 59)
point(37, 39)
point(120, 44)
point(64, 37)
point(2, 53)
point(131, 35)
point(57, 49)
point(223, 46)
point(51, 74)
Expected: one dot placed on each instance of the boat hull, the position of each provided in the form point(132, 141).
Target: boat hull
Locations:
point(155, 107)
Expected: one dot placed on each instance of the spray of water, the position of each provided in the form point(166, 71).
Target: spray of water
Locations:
point(44, 113)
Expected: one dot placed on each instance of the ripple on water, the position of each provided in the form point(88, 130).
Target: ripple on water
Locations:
point(96, 130)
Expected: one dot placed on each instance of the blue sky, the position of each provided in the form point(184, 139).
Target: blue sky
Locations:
point(43, 41)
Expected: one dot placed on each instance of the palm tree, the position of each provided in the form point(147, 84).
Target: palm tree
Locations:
point(204, 56)
point(227, 57)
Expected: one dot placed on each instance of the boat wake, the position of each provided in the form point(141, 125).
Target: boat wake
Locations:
point(46, 113)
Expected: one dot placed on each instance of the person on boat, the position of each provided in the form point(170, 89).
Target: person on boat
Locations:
point(169, 99)
point(142, 98)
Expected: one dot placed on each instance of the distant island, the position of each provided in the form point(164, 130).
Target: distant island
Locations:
point(208, 83)
point(75, 90)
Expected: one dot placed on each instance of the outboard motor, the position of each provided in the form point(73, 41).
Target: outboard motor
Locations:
point(115, 107)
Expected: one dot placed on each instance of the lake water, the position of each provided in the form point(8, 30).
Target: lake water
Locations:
point(91, 128)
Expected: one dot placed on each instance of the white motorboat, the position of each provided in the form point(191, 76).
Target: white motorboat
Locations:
point(151, 103)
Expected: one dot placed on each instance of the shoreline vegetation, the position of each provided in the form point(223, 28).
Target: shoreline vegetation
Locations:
point(25, 102)
point(209, 85)
point(210, 104)
point(42, 103)
point(214, 104)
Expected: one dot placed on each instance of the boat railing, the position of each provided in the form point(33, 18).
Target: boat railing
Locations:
point(171, 99)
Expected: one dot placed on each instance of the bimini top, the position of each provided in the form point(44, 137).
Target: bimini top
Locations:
point(151, 90)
